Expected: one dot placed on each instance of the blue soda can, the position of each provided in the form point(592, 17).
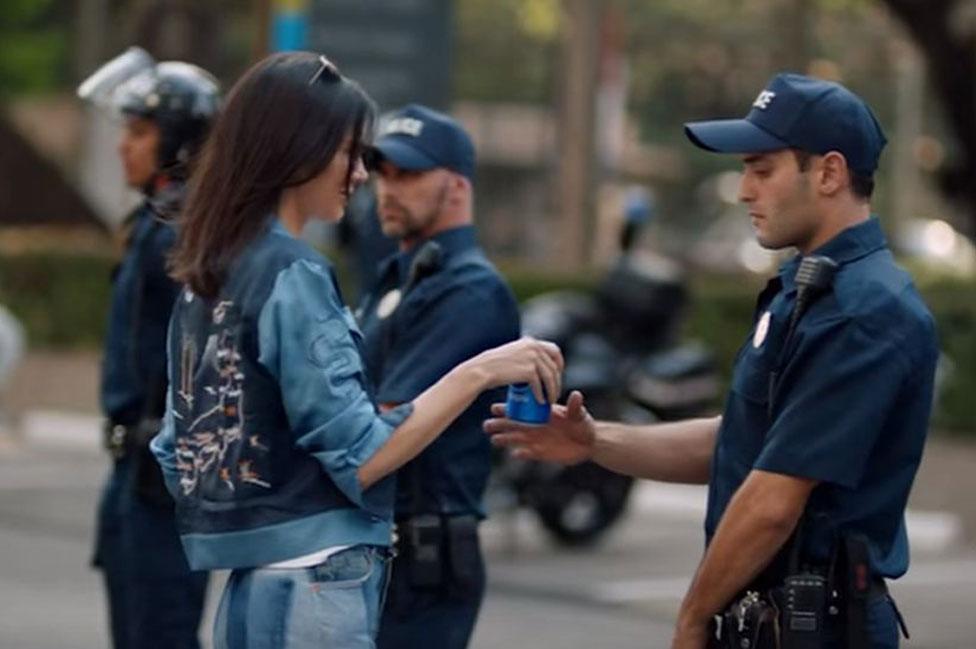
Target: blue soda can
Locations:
point(521, 405)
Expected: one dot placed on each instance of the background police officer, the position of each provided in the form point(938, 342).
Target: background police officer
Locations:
point(437, 302)
point(154, 598)
point(825, 424)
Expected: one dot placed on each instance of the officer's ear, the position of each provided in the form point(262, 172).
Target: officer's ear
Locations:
point(463, 184)
point(833, 174)
point(460, 188)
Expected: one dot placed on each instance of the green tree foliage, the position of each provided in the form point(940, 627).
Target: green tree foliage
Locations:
point(695, 59)
point(506, 50)
point(687, 58)
point(33, 45)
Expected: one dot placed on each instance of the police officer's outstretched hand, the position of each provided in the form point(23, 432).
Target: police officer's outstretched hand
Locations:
point(526, 360)
point(568, 438)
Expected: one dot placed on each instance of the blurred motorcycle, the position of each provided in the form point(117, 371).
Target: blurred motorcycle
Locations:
point(621, 350)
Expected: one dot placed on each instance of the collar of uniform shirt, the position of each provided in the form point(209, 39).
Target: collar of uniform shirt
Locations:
point(452, 241)
point(853, 243)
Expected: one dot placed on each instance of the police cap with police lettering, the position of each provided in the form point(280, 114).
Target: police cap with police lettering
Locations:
point(417, 138)
point(799, 112)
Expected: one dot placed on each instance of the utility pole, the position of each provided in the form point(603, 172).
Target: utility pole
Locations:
point(796, 17)
point(91, 30)
point(179, 30)
point(262, 29)
point(909, 107)
point(577, 130)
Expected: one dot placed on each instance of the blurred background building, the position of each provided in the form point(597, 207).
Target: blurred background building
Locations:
point(570, 101)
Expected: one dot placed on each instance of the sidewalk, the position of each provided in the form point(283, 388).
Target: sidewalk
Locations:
point(57, 381)
point(946, 481)
point(53, 400)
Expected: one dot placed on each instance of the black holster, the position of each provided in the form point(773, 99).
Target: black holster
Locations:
point(854, 585)
point(421, 544)
point(793, 615)
point(439, 552)
point(132, 442)
point(752, 621)
point(147, 475)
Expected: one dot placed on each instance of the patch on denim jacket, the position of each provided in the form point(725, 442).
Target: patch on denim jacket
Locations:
point(333, 350)
point(215, 447)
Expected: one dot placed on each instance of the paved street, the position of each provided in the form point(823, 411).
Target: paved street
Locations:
point(622, 594)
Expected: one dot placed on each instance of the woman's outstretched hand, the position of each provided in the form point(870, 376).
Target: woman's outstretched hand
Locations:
point(568, 438)
point(526, 360)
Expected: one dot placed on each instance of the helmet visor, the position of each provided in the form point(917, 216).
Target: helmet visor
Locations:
point(111, 82)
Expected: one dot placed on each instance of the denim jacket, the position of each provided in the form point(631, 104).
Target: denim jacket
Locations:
point(269, 414)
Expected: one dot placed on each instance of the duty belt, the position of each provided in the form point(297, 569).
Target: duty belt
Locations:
point(114, 439)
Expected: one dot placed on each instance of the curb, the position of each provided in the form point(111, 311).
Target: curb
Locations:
point(928, 531)
point(61, 430)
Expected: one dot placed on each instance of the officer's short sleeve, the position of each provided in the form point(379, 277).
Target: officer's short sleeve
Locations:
point(837, 390)
point(442, 329)
point(306, 342)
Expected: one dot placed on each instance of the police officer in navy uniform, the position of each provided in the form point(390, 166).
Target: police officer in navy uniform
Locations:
point(823, 428)
point(359, 234)
point(154, 599)
point(438, 301)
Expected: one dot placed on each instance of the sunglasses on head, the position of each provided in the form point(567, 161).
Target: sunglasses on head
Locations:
point(326, 69)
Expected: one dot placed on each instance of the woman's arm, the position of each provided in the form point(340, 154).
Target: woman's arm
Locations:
point(306, 342)
point(529, 361)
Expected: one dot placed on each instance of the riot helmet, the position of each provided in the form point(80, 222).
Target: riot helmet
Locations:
point(180, 98)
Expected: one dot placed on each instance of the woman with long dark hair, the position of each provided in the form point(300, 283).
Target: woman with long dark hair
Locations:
point(272, 444)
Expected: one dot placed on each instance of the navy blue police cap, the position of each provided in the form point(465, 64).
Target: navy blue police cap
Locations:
point(799, 112)
point(417, 138)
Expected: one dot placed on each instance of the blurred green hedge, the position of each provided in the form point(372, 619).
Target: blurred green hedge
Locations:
point(721, 311)
point(62, 300)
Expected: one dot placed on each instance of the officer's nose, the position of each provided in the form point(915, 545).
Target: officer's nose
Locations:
point(746, 190)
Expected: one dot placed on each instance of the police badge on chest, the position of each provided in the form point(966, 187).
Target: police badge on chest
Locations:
point(388, 303)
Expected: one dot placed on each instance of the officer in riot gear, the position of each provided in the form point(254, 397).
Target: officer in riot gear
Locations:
point(155, 600)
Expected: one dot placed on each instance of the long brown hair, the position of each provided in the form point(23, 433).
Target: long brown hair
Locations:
point(282, 124)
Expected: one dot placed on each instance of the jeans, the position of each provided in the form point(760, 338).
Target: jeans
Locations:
point(334, 604)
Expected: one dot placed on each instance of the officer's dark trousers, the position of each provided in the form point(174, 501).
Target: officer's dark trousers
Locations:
point(882, 626)
point(441, 617)
point(154, 600)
